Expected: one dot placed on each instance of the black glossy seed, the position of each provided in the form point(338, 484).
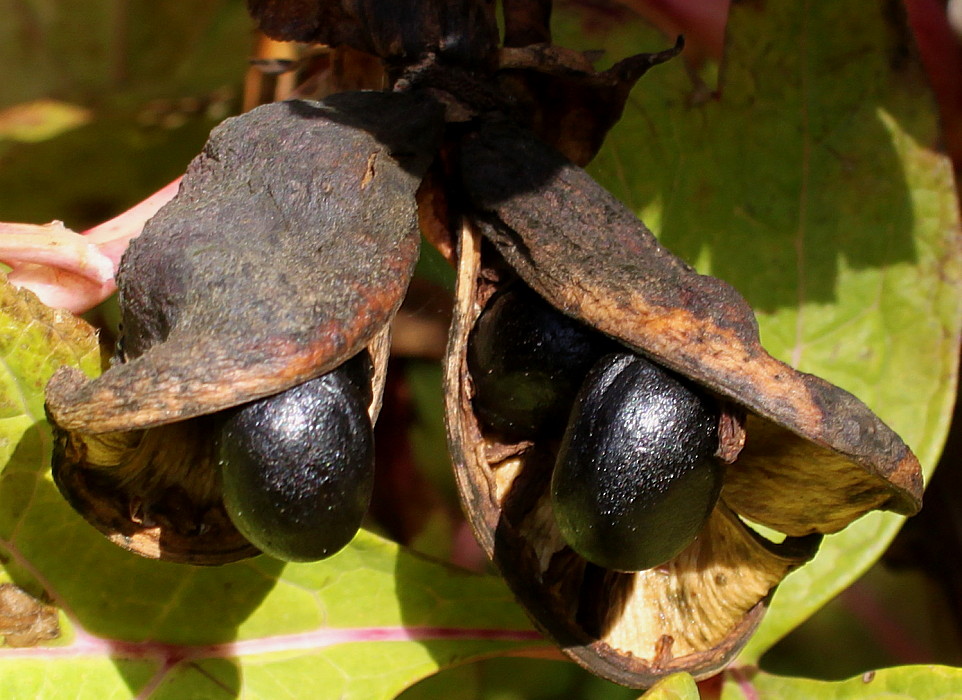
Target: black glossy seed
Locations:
point(527, 361)
point(298, 467)
point(636, 478)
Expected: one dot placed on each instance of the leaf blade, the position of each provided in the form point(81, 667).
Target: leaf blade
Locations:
point(899, 683)
point(371, 620)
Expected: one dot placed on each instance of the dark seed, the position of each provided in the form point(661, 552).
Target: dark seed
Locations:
point(636, 478)
point(527, 361)
point(298, 467)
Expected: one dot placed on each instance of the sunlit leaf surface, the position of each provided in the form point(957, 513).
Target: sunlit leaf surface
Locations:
point(904, 683)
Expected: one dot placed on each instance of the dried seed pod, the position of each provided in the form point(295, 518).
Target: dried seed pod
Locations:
point(287, 250)
point(806, 457)
point(396, 30)
point(564, 100)
point(636, 477)
point(297, 468)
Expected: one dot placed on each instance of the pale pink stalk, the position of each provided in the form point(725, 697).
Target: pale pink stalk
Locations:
point(113, 236)
point(71, 270)
point(55, 245)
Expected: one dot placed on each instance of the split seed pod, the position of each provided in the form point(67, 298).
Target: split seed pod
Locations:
point(287, 250)
point(805, 457)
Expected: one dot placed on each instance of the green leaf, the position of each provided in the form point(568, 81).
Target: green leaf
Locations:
point(40, 120)
point(153, 79)
point(678, 686)
point(79, 48)
point(901, 683)
point(364, 624)
point(506, 678)
point(811, 183)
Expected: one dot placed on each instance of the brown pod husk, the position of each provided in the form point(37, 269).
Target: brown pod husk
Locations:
point(287, 251)
point(157, 492)
point(463, 31)
point(808, 459)
point(559, 96)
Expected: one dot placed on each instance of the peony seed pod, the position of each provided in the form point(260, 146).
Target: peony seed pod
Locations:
point(287, 250)
point(804, 457)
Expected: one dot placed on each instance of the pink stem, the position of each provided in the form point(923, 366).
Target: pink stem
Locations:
point(75, 271)
point(112, 237)
point(742, 677)
point(54, 245)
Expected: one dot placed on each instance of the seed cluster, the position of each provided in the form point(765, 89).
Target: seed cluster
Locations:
point(636, 477)
point(596, 386)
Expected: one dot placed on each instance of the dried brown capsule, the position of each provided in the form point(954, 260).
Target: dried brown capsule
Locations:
point(287, 250)
point(395, 30)
point(806, 457)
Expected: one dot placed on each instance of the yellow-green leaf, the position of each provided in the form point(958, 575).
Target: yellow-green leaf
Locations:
point(902, 683)
point(678, 686)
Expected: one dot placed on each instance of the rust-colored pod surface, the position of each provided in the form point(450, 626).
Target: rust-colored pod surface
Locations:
point(287, 250)
point(804, 457)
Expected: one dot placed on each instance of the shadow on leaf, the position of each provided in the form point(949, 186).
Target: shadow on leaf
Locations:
point(796, 173)
point(121, 605)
